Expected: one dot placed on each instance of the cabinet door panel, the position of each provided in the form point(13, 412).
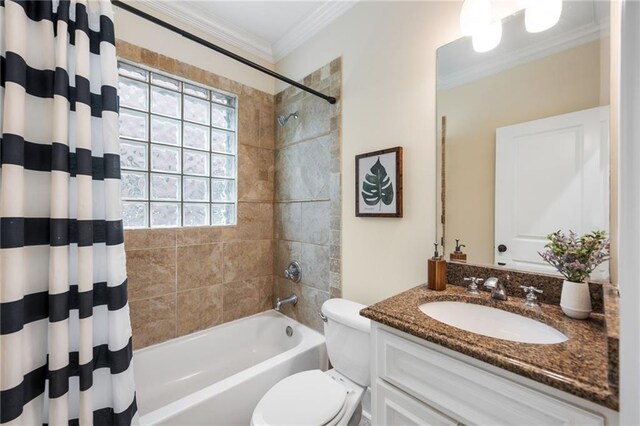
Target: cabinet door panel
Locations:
point(396, 408)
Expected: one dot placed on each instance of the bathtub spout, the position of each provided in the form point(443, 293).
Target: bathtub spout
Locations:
point(291, 300)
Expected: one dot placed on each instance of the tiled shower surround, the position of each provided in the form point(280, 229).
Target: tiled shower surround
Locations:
point(307, 195)
point(188, 279)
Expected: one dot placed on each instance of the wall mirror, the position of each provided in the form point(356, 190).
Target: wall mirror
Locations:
point(523, 138)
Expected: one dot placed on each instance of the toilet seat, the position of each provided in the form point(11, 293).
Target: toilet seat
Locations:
point(309, 398)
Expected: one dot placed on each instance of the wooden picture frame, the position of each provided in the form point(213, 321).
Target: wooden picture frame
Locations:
point(379, 183)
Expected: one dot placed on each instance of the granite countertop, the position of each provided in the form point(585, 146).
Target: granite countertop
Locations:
point(579, 366)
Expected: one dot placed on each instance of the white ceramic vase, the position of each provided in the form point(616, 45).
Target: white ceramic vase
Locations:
point(575, 300)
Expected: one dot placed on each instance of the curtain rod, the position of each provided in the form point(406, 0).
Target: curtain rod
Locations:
point(221, 50)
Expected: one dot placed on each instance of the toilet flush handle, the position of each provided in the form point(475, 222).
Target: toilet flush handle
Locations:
point(322, 317)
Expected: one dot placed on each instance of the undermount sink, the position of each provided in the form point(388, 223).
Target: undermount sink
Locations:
point(492, 322)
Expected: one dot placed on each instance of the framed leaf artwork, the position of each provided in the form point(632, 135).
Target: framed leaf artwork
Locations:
point(379, 183)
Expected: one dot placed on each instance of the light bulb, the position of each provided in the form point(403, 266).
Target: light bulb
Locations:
point(540, 15)
point(474, 15)
point(487, 37)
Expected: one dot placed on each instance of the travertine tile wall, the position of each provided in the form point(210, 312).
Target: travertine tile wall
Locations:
point(307, 205)
point(187, 279)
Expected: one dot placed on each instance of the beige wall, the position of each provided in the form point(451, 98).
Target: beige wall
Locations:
point(388, 99)
point(140, 32)
point(561, 83)
point(186, 279)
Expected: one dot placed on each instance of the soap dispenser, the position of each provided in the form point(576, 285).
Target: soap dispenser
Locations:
point(436, 271)
point(458, 255)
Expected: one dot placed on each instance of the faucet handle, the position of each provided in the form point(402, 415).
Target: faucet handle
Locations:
point(472, 288)
point(293, 272)
point(491, 282)
point(531, 299)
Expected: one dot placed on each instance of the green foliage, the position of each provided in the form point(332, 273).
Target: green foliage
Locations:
point(377, 186)
point(575, 256)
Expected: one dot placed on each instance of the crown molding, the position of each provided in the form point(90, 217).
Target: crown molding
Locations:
point(310, 26)
point(579, 36)
point(231, 34)
point(215, 27)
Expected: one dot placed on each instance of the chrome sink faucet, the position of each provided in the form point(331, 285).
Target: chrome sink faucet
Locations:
point(498, 291)
point(291, 300)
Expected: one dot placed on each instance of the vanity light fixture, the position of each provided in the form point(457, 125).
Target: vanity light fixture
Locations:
point(475, 20)
point(487, 37)
point(540, 15)
point(474, 15)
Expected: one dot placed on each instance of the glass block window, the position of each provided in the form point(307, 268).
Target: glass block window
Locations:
point(178, 151)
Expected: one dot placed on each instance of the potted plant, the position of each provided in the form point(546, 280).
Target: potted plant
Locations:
point(575, 257)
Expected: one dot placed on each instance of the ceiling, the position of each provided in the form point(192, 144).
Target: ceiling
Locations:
point(267, 29)
point(269, 20)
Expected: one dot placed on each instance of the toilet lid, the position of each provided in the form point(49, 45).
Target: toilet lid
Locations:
point(307, 398)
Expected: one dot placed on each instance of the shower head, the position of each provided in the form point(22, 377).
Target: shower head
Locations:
point(282, 120)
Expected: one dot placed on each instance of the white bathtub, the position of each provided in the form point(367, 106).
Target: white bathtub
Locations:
point(217, 376)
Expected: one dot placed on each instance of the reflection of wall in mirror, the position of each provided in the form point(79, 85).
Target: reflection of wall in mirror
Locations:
point(572, 80)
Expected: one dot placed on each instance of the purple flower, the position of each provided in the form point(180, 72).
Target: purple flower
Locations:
point(575, 257)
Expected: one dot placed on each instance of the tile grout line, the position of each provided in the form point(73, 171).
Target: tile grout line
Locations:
point(319, 200)
point(224, 279)
point(308, 139)
point(175, 295)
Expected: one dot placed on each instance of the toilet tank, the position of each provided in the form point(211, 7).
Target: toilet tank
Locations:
point(347, 336)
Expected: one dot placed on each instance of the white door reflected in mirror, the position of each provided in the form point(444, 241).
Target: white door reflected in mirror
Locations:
point(551, 174)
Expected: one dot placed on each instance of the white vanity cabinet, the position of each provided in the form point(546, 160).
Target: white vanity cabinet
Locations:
point(415, 382)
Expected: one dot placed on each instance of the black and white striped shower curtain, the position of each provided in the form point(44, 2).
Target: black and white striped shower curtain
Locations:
point(65, 348)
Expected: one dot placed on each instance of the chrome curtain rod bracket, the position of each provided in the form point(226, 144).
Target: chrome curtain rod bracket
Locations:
point(219, 49)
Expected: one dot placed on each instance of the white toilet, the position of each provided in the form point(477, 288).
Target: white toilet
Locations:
point(316, 398)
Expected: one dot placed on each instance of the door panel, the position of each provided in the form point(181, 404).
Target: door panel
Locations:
point(551, 174)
